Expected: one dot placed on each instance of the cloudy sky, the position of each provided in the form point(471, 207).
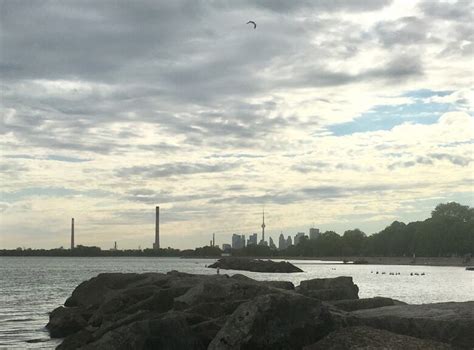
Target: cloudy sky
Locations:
point(338, 114)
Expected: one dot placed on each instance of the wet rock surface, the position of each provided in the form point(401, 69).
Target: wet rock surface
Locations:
point(255, 265)
point(184, 311)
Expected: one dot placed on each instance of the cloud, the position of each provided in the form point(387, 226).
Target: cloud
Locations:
point(173, 169)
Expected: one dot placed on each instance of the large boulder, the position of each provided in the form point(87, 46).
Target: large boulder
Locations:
point(183, 311)
point(170, 332)
point(255, 265)
point(274, 321)
point(367, 303)
point(287, 285)
point(93, 292)
point(222, 289)
point(329, 288)
point(357, 338)
point(451, 323)
point(65, 321)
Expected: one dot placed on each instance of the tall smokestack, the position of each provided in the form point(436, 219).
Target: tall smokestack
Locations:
point(213, 239)
point(72, 233)
point(156, 245)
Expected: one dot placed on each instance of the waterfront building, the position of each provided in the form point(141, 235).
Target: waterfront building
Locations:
point(238, 241)
point(314, 233)
point(298, 237)
point(271, 244)
point(282, 242)
point(252, 239)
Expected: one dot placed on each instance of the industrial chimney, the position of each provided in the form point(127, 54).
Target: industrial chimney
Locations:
point(156, 245)
point(72, 233)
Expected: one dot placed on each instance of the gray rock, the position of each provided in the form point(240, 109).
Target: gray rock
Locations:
point(367, 303)
point(451, 323)
point(255, 265)
point(357, 338)
point(65, 321)
point(280, 284)
point(274, 321)
point(220, 290)
point(207, 330)
point(170, 332)
point(184, 311)
point(76, 340)
point(275, 284)
point(93, 292)
point(329, 288)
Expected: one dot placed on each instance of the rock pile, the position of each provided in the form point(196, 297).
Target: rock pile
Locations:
point(255, 265)
point(183, 311)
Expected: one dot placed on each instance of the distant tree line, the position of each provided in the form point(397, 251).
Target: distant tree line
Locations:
point(448, 232)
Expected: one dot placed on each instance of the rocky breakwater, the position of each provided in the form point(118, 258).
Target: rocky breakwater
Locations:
point(255, 265)
point(184, 311)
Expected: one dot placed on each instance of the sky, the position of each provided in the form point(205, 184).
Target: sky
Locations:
point(334, 114)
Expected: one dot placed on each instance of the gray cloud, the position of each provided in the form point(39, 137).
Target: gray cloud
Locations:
point(430, 159)
point(456, 160)
point(188, 67)
point(456, 11)
point(173, 169)
point(313, 193)
point(404, 31)
point(156, 197)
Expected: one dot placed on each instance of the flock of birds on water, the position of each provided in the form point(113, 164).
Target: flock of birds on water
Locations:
point(393, 273)
point(398, 273)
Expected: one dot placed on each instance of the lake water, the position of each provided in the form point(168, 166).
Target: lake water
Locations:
point(30, 287)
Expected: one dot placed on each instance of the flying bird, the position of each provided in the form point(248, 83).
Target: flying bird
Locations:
point(254, 24)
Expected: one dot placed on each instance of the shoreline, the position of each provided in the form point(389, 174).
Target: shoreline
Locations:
point(338, 260)
point(381, 260)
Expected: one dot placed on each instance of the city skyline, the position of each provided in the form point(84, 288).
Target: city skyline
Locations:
point(346, 114)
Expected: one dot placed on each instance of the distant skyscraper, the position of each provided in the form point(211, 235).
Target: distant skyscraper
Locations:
point(271, 244)
point(288, 242)
point(156, 245)
point(281, 242)
point(263, 226)
point(213, 239)
point(72, 233)
point(238, 241)
point(252, 239)
point(298, 237)
point(314, 233)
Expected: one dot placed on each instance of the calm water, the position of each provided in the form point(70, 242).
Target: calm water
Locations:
point(31, 287)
